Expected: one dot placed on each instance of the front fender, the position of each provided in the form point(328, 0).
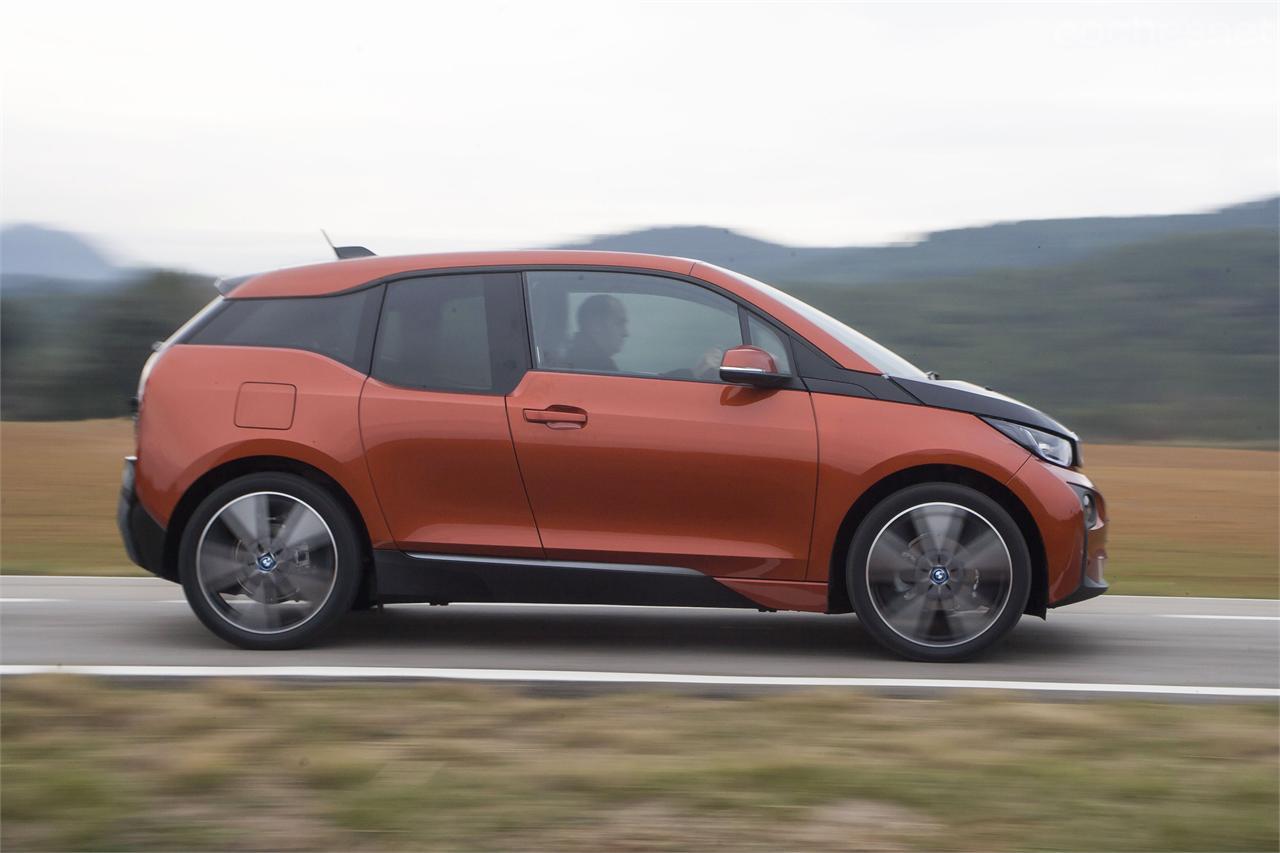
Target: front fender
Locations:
point(862, 441)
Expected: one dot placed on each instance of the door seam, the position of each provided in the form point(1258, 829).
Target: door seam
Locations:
point(515, 453)
point(817, 484)
point(368, 470)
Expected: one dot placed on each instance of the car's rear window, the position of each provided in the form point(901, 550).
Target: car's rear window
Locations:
point(339, 327)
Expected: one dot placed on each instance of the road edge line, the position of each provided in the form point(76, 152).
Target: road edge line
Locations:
point(605, 677)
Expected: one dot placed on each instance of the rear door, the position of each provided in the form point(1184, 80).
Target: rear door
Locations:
point(433, 419)
point(633, 450)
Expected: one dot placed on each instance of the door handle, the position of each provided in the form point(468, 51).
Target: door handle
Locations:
point(557, 417)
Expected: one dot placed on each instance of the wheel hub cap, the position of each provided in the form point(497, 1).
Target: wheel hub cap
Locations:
point(939, 574)
point(266, 562)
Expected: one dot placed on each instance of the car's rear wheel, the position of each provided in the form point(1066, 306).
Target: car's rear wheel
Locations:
point(938, 572)
point(270, 561)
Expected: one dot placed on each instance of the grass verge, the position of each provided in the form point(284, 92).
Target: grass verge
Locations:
point(239, 766)
point(1185, 520)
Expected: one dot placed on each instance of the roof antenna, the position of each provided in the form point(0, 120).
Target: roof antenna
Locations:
point(344, 252)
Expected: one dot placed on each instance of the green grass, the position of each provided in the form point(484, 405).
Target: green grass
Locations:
point(227, 765)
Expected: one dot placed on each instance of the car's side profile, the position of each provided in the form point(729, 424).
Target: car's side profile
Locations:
point(587, 427)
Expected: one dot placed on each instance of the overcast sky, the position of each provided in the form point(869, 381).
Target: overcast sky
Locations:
point(221, 136)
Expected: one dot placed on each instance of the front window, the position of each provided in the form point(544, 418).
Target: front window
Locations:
point(878, 356)
point(624, 323)
point(771, 341)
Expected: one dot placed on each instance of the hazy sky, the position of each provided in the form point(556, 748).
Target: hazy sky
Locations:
point(220, 135)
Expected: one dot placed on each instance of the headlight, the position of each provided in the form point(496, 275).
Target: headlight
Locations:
point(1048, 446)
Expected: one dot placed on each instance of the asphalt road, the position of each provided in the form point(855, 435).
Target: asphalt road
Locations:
point(1120, 641)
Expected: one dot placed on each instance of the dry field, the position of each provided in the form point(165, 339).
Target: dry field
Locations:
point(1191, 520)
point(1185, 520)
point(465, 767)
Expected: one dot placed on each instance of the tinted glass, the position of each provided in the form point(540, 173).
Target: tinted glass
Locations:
point(452, 333)
point(642, 325)
point(771, 341)
point(335, 326)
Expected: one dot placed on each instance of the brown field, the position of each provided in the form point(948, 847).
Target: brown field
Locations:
point(1185, 520)
point(1191, 520)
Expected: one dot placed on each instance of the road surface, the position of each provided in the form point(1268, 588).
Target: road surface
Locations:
point(1126, 644)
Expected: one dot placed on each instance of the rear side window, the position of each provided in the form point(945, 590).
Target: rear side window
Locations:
point(453, 333)
point(340, 327)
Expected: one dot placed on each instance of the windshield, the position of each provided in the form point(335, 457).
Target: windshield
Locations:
point(880, 357)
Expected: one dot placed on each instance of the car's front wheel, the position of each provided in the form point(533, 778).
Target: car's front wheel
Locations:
point(938, 572)
point(270, 561)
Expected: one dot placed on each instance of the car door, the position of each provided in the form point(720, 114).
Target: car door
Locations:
point(433, 419)
point(632, 449)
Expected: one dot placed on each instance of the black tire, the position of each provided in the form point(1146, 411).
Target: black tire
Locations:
point(927, 619)
point(339, 585)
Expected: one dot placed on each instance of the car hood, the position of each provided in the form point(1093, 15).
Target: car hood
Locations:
point(976, 400)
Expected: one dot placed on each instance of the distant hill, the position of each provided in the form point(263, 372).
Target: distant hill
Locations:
point(716, 245)
point(1008, 245)
point(1143, 327)
point(32, 254)
point(1172, 339)
point(1129, 328)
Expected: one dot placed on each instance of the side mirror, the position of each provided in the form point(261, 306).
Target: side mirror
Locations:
point(751, 366)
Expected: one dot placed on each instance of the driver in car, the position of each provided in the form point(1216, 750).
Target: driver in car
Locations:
point(602, 332)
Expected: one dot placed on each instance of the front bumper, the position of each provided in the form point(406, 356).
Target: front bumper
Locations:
point(1075, 544)
point(1093, 557)
point(143, 538)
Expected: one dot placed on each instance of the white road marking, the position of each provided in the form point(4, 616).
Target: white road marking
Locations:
point(1206, 616)
point(1110, 597)
point(90, 600)
point(592, 677)
point(94, 601)
point(144, 578)
point(155, 580)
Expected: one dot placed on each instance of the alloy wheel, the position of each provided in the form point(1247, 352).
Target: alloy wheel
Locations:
point(939, 574)
point(266, 562)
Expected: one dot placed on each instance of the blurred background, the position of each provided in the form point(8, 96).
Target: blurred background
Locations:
point(1072, 204)
point(1075, 204)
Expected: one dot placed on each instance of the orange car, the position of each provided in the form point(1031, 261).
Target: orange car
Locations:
point(587, 427)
